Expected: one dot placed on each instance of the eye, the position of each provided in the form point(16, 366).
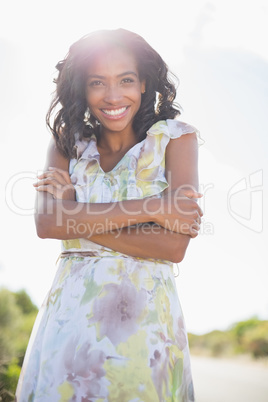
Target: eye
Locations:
point(96, 83)
point(127, 80)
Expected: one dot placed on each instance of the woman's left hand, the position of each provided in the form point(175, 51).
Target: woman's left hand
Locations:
point(57, 182)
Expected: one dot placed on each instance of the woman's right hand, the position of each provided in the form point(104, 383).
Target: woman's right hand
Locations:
point(57, 182)
point(179, 212)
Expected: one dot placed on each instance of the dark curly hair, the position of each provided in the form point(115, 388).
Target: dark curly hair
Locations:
point(157, 102)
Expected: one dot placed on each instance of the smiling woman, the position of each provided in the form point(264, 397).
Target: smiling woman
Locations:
point(74, 83)
point(119, 189)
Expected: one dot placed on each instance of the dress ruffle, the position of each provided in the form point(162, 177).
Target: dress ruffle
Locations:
point(146, 160)
point(151, 165)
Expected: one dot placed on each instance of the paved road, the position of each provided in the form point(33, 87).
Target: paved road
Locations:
point(223, 380)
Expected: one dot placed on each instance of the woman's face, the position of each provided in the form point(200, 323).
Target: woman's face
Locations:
point(113, 89)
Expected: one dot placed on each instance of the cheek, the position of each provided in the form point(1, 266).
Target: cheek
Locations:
point(136, 96)
point(92, 98)
point(88, 99)
point(138, 101)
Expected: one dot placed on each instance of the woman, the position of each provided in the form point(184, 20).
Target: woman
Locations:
point(119, 189)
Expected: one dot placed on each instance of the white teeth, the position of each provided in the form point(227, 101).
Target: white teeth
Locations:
point(114, 112)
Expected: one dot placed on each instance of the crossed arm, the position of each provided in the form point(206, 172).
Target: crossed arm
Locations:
point(56, 197)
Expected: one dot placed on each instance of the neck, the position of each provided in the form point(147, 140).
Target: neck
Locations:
point(116, 141)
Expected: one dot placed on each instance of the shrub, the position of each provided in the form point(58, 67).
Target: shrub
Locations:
point(17, 315)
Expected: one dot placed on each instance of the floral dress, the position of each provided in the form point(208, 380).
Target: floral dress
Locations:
point(111, 327)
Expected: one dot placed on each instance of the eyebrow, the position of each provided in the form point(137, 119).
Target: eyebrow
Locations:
point(119, 75)
point(128, 73)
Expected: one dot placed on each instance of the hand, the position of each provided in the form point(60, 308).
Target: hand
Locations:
point(56, 182)
point(179, 212)
point(189, 193)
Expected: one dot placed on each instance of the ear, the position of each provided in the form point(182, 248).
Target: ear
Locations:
point(143, 86)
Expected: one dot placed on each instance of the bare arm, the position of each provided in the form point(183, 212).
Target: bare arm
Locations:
point(182, 173)
point(182, 163)
point(146, 241)
point(55, 208)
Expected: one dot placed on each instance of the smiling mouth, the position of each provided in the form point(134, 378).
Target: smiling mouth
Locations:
point(114, 112)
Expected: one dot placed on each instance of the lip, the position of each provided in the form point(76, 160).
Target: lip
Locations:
point(115, 116)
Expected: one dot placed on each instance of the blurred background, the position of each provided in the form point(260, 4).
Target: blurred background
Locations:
point(219, 52)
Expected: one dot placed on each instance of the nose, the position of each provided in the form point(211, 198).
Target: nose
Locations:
point(113, 94)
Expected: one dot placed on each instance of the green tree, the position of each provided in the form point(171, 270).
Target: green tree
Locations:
point(252, 337)
point(17, 315)
point(10, 320)
point(24, 302)
point(239, 329)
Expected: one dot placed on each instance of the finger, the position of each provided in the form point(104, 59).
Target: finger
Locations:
point(43, 175)
point(63, 173)
point(47, 181)
point(46, 176)
point(59, 178)
point(48, 189)
point(185, 206)
point(193, 230)
point(195, 226)
point(193, 234)
point(192, 194)
point(40, 182)
point(59, 174)
point(197, 217)
point(198, 220)
point(199, 210)
point(56, 176)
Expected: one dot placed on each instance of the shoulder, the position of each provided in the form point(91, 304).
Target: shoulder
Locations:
point(181, 156)
point(179, 128)
point(172, 129)
point(54, 157)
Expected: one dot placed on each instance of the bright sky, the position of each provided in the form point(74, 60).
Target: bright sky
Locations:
point(219, 51)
